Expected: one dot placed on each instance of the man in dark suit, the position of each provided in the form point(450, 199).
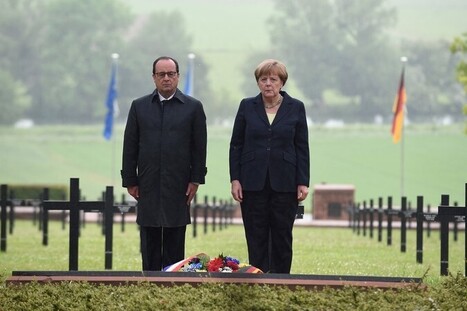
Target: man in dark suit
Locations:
point(269, 167)
point(164, 161)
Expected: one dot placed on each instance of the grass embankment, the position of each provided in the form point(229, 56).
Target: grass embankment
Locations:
point(450, 295)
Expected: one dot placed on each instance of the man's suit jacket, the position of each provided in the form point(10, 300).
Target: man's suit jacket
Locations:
point(164, 149)
point(280, 149)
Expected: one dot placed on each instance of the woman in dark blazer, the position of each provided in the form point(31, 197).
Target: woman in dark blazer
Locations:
point(270, 167)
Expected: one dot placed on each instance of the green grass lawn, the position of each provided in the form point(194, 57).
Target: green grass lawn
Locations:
point(337, 251)
point(361, 155)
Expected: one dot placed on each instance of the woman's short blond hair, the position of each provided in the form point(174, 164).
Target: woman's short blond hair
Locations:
point(272, 66)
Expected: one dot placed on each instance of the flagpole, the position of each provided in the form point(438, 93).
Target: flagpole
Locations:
point(190, 82)
point(403, 61)
point(115, 57)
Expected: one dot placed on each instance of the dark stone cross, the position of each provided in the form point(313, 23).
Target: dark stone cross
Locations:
point(423, 217)
point(74, 206)
point(12, 202)
point(445, 215)
point(380, 219)
point(3, 217)
point(403, 215)
point(448, 214)
point(371, 213)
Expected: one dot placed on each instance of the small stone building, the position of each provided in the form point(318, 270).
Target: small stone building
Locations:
point(331, 201)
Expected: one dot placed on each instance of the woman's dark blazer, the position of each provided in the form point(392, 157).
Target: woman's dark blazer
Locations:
point(280, 149)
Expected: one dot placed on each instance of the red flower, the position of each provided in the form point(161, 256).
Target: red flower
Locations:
point(232, 265)
point(215, 264)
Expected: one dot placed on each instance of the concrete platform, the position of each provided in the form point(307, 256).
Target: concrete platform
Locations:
point(292, 281)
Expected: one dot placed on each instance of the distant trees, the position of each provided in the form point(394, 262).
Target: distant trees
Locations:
point(432, 90)
point(363, 64)
point(19, 54)
point(14, 100)
point(59, 50)
point(78, 38)
point(459, 46)
point(55, 57)
point(55, 60)
point(342, 49)
point(337, 46)
point(153, 35)
point(305, 33)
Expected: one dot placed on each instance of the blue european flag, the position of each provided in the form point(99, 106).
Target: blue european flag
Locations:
point(111, 102)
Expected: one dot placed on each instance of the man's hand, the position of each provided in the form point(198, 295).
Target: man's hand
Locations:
point(133, 191)
point(190, 192)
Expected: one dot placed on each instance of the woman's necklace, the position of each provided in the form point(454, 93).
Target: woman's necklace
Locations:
point(276, 104)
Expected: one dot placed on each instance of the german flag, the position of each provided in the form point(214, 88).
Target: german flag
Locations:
point(398, 110)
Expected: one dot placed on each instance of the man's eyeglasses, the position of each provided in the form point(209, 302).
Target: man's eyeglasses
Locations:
point(170, 74)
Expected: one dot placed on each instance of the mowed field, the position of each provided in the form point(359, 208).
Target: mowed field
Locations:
point(362, 155)
point(319, 251)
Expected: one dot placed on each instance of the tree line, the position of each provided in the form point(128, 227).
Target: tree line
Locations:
point(55, 60)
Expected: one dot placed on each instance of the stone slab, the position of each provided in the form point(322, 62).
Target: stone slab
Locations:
point(179, 278)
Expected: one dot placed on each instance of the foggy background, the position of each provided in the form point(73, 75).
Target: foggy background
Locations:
point(343, 56)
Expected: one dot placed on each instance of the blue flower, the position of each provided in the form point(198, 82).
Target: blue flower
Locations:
point(232, 259)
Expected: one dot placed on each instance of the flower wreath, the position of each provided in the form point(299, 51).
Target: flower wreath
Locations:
point(203, 263)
